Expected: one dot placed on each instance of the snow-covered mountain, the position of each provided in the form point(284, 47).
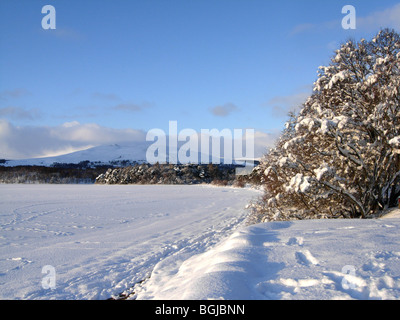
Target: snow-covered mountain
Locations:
point(117, 154)
point(105, 154)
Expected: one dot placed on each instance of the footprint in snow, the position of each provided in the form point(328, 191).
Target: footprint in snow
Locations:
point(295, 241)
point(305, 257)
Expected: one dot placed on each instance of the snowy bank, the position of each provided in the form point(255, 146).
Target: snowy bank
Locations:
point(315, 259)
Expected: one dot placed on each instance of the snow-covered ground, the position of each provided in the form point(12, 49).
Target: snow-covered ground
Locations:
point(185, 242)
point(100, 240)
point(316, 259)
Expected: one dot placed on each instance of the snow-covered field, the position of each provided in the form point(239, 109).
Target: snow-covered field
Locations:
point(100, 240)
point(185, 242)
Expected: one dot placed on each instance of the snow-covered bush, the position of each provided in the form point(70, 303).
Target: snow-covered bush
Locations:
point(339, 157)
point(169, 174)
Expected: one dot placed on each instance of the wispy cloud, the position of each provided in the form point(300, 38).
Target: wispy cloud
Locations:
point(282, 105)
point(66, 33)
point(132, 107)
point(388, 18)
point(223, 110)
point(300, 28)
point(315, 27)
point(20, 142)
point(14, 93)
point(105, 96)
point(19, 113)
point(380, 19)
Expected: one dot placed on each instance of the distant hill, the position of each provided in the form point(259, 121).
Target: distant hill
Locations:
point(107, 155)
point(101, 155)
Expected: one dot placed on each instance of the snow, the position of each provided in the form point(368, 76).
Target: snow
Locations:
point(103, 154)
point(380, 61)
point(103, 239)
point(299, 183)
point(321, 171)
point(395, 143)
point(314, 259)
point(305, 122)
point(340, 76)
point(372, 79)
point(282, 161)
point(184, 242)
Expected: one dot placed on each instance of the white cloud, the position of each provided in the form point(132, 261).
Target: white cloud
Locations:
point(14, 93)
point(300, 28)
point(381, 19)
point(70, 124)
point(30, 142)
point(105, 96)
point(263, 142)
point(19, 113)
point(282, 105)
point(131, 107)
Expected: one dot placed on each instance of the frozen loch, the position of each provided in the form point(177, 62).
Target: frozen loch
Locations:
point(96, 241)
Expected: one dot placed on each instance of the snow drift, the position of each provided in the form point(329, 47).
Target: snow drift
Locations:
point(313, 259)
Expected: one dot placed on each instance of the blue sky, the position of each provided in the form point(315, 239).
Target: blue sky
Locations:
point(112, 70)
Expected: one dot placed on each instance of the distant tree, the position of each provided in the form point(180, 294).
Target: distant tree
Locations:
point(339, 157)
